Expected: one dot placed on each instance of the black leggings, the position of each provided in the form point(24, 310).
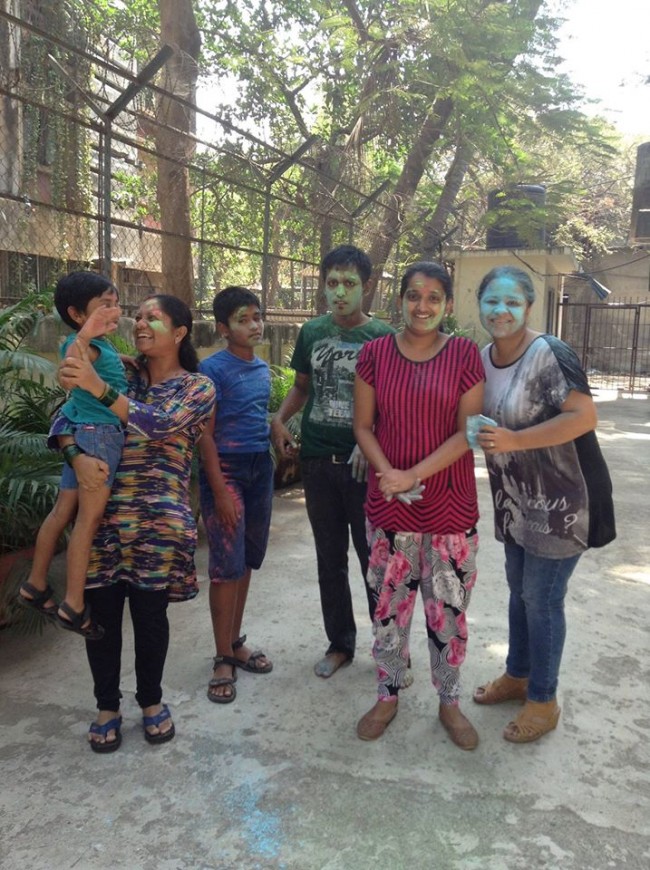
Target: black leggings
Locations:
point(151, 637)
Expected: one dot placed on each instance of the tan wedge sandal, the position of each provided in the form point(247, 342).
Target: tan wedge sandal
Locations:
point(535, 720)
point(504, 688)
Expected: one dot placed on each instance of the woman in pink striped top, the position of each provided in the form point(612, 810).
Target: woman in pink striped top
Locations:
point(413, 394)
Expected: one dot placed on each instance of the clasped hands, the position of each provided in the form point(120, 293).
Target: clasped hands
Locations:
point(403, 485)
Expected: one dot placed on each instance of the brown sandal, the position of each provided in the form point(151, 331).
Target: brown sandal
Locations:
point(504, 688)
point(535, 720)
point(461, 731)
point(370, 727)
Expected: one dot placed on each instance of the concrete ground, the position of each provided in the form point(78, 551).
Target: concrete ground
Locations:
point(279, 779)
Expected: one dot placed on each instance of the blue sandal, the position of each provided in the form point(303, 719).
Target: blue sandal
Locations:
point(102, 731)
point(155, 721)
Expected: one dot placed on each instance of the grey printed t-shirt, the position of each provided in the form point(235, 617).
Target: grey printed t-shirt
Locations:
point(554, 502)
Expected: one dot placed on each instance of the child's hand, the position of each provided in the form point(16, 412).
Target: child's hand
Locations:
point(130, 361)
point(227, 509)
point(102, 321)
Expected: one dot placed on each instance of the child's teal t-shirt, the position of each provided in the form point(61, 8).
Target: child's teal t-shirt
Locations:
point(81, 407)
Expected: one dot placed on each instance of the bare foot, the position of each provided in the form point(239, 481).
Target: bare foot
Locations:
point(330, 664)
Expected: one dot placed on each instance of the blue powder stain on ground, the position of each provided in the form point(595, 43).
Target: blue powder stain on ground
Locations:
point(260, 828)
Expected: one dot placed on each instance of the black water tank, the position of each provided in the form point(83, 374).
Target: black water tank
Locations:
point(512, 207)
point(641, 196)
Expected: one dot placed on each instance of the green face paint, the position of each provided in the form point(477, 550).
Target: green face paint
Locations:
point(245, 327)
point(343, 291)
point(155, 315)
point(424, 304)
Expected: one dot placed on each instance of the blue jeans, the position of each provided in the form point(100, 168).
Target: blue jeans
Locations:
point(234, 549)
point(102, 440)
point(536, 618)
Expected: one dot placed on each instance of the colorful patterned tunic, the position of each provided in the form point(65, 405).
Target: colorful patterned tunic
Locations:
point(148, 534)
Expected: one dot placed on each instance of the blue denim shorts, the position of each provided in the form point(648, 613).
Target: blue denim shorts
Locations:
point(249, 478)
point(101, 440)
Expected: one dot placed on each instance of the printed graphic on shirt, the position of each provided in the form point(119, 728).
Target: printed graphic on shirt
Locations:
point(333, 365)
point(540, 497)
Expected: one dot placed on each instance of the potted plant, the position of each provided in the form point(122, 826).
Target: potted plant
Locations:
point(29, 471)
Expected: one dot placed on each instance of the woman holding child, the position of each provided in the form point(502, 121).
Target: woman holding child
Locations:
point(144, 549)
point(413, 393)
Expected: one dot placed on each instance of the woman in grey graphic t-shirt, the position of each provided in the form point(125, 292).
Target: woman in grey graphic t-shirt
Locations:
point(550, 486)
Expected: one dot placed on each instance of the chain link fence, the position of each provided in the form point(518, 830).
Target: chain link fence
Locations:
point(83, 146)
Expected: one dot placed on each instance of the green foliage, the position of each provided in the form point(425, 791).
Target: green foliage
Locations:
point(588, 177)
point(452, 327)
point(282, 379)
point(364, 77)
point(29, 471)
point(121, 345)
point(50, 139)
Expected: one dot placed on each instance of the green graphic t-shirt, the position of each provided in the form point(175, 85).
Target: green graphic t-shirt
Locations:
point(328, 354)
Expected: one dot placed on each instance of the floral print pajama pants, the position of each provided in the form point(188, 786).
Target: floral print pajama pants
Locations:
point(444, 567)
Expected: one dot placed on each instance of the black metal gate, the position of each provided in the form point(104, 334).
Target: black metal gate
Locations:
point(612, 340)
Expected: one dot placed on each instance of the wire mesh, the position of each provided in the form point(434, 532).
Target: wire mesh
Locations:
point(82, 189)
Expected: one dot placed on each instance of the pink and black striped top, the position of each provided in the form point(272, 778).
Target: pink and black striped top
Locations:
point(417, 408)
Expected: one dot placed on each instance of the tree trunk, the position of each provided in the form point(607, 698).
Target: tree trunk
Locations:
point(405, 189)
point(413, 171)
point(178, 28)
point(433, 231)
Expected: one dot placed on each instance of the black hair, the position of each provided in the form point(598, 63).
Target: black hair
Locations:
point(522, 278)
point(180, 315)
point(76, 290)
point(226, 302)
point(347, 255)
point(431, 270)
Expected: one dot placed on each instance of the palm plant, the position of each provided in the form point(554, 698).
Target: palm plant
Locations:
point(29, 471)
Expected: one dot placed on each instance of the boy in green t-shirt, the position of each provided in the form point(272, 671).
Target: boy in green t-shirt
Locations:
point(333, 468)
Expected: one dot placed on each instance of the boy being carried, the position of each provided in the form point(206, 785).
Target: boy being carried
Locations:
point(88, 303)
